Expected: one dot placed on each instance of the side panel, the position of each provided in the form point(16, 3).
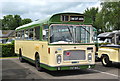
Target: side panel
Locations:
point(113, 53)
point(30, 48)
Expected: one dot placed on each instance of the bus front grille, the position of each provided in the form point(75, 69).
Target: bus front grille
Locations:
point(74, 55)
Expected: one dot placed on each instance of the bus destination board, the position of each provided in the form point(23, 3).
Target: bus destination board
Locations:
point(72, 18)
point(77, 18)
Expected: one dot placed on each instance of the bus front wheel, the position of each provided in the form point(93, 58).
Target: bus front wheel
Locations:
point(37, 63)
point(105, 61)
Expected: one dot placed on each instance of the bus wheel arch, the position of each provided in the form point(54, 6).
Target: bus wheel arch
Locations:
point(36, 53)
point(37, 61)
point(105, 60)
point(20, 55)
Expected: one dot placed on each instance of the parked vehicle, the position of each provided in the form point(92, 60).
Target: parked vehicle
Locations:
point(3, 40)
point(9, 41)
point(111, 52)
point(104, 38)
point(61, 42)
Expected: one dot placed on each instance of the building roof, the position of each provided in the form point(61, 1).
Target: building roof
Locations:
point(7, 33)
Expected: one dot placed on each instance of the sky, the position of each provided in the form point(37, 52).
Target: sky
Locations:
point(40, 9)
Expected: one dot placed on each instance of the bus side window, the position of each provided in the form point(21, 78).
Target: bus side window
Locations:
point(118, 39)
point(37, 33)
point(26, 36)
point(45, 34)
point(22, 34)
point(31, 34)
point(18, 35)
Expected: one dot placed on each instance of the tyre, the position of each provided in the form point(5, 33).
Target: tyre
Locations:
point(105, 61)
point(20, 56)
point(37, 63)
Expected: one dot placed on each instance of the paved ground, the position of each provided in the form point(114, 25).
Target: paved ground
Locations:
point(13, 69)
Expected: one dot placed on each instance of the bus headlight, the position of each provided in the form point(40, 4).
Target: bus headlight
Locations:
point(89, 57)
point(58, 59)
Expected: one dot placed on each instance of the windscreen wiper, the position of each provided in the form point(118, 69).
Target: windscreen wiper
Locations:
point(70, 32)
point(85, 29)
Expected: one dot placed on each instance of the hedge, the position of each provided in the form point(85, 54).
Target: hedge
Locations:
point(8, 50)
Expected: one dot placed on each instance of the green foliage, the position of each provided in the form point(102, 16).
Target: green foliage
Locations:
point(8, 50)
point(26, 21)
point(10, 22)
point(18, 20)
point(91, 12)
point(108, 19)
point(13, 42)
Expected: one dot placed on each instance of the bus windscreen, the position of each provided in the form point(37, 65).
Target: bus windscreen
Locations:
point(69, 34)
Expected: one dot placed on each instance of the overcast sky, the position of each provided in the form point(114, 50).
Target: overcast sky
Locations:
point(39, 9)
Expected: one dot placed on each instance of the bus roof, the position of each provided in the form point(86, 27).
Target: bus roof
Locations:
point(56, 18)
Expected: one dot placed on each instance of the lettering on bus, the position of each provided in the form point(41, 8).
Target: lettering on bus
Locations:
point(72, 18)
point(77, 18)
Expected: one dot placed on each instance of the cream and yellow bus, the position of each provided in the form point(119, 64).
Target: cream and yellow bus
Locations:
point(111, 52)
point(65, 41)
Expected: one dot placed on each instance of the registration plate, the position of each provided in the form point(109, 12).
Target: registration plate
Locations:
point(75, 62)
point(75, 67)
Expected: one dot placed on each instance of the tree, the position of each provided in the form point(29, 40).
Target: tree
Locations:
point(18, 20)
point(108, 18)
point(91, 13)
point(26, 21)
point(99, 23)
point(10, 22)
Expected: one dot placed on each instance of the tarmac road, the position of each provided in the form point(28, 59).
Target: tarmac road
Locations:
point(13, 69)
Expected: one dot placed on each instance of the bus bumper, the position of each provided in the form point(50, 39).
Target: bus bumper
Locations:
point(55, 68)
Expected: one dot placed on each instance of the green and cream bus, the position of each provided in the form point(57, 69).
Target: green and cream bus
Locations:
point(65, 41)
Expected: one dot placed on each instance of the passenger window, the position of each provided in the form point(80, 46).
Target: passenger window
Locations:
point(31, 34)
point(22, 34)
point(37, 33)
point(26, 34)
point(18, 35)
point(45, 34)
point(118, 39)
